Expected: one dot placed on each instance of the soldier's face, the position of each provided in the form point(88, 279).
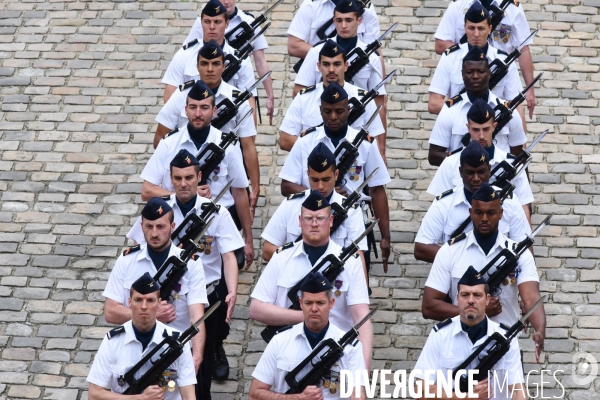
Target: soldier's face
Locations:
point(482, 133)
point(332, 69)
point(474, 177)
point(315, 226)
point(211, 70)
point(335, 116)
point(472, 301)
point(316, 308)
point(229, 5)
point(143, 309)
point(477, 33)
point(214, 28)
point(486, 216)
point(185, 181)
point(158, 232)
point(200, 112)
point(347, 24)
point(476, 75)
point(324, 181)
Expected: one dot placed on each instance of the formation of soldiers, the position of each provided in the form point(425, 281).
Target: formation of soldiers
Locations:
point(202, 185)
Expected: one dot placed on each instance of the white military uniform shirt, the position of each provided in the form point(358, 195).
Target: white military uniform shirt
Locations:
point(183, 67)
point(311, 16)
point(447, 79)
point(447, 176)
point(510, 33)
point(172, 115)
point(260, 43)
point(222, 236)
point(304, 111)
point(451, 125)
point(157, 171)
point(289, 348)
point(448, 345)
point(452, 261)
point(277, 278)
point(284, 226)
point(296, 165)
point(368, 77)
point(119, 353)
point(447, 212)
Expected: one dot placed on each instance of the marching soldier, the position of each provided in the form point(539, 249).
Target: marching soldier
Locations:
point(477, 248)
point(124, 346)
point(270, 300)
point(451, 208)
point(291, 346)
point(449, 127)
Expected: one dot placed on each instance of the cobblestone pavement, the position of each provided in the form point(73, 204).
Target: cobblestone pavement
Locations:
point(79, 88)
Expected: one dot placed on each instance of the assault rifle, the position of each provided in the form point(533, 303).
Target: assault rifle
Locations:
point(496, 15)
point(359, 106)
point(234, 61)
point(243, 32)
point(358, 58)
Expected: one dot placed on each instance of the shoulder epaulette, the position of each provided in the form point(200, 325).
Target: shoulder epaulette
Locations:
point(362, 92)
point(356, 255)
point(309, 130)
point(446, 193)
point(285, 328)
point(511, 156)
point(131, 249)
point(190, 44)
point(442, 324)
point(235, 93)
point(307, 89)
point(186, 85)
point(457, 239)
point(451, 49)
point(285, 247)
point(457, 151)
point(369, 138)
point(204, 206)
point(355, 205)
point(174, 131)
point(114, 332)
point(296, 195)
point(502, 52)
point(454, 100)
point(355, 343)
point(195, 256)
point(246, 12)
point(166, 197)
point(319, 42)
point(508, 196)
point(504, 327)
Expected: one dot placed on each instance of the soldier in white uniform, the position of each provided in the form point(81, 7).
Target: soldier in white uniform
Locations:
point(182, 67)
point(480, 124)
point(304, 109)
point(451, 208)
point(270, 300)
point(211, 64)
point(283, 226)
point(335, 129)
point(447, 79)
point(508, 35)
point(289, 347)
point(236, 16)
point(477, 248)
point(217, 247)
point(451, 342)
point(124, 346)
point(190, 297)
point(449, 127)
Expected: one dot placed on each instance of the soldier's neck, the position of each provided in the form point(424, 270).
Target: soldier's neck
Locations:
point(348, 43)
point(215, 87)
point(483, 95)
point(486, 242)
point(476, 329)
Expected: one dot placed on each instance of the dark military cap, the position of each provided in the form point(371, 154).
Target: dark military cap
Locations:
point(155, 208)
point(321, 158)
point(472, 277)
point(200, 91)
point(348, 6)
point(476, 53)
point(145, 284)
point(315, 282)
point(474, 155)
point(214, 8)
point(315, 201)
point(486, 193)
point(331, 49)
point(333, 93)
point(211, 50)
point(184, 159)
point(476, 13)
point(480, 112)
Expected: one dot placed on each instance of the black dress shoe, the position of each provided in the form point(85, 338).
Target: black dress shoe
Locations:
point(221, 365)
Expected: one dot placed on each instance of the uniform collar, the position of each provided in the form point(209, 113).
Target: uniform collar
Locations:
point(197, 207)
point(457, 328)
point(350, 134)
point(143, 253)
point(156, 338)
point(214, 136)
point(501, 242)
point(298, 330)
point(225, 90)
point(491, 100)
point(298, 250)
point(491, 52)
point(460, 196)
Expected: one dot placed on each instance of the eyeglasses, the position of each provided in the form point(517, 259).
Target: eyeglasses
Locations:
point(319, 220)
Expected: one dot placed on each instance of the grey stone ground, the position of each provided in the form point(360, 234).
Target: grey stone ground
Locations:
point(80, 86)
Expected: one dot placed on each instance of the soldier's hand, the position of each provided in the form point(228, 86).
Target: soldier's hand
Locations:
point(312, 393)
point(230, 300)
point(253, 200)
point(530, 97)
point(481, 390)
point(270, 108)
point(341, 191)
point(538, 338)
point(166, 312)
point(153, 392)
point(204, 191)
point(249, 253)
point(494, 308)
point(385, 252)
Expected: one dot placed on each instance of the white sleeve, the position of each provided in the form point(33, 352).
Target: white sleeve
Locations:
point(266, 368)
point(432, 226)
point(260, 43)
point(441, 134)
point(442, 180)
point(512, 362)
point(428, 359)
point(374, 160)
point(357, 290)
point(307, 76)
point(512, 83)
point(523, 189)
point(371, 23)
point(302, 21)
point(247, 129)
point(114, 287)
point(376, 127)
point(440, 275)
point(520, 29)
point(276, 230)
point(136, 233)
point(197, 293)
point(519, 228)
point(266, 287)
point(355, 358)
point(376, 75)
point(196, 31)
point(168, 115)
point(246, 76)
point(528, 271)
point(153, 171)
point(235, 168)
point(516, 134)
point(446, 29)
point(292, 120)
point(440, 82)
point(185, 368)
point(355, 226)
point(293, 168)
point(227, 235)
point(174, 75)
point(100, 372)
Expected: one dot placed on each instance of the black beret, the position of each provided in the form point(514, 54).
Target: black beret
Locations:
point(321, 158)
point(315, 282)
point(315, 201)
point(476, 13)
point(348, 6)
point(476, 53)
point(331, 49)
point(486, 193)
point(333, 93)
point(472, 277)
point(155, 208)
point(474, 155)
point(214, 8)
point(480, 112)
point(184, 159)
point(211, 50)
point(200, 91)
point(145, 284)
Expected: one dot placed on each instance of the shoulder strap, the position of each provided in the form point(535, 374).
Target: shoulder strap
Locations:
point(130, 250)
point(190, 44)
point(446, 193)
point(454, 100)
point(442, 324)
point(307, 89)
point(114, 332)
point(174, 131)
point(457, 239)
point(451, 49)
point(285, 247)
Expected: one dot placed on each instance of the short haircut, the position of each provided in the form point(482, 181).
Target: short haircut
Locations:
point(225, 15)
point(357, 14)
point(343, 57)
point(329, 294)
point(131, 290)
point(198, 58)
point(196, 168)
point(212, 100)
point(488, 19)
point(486, 288)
